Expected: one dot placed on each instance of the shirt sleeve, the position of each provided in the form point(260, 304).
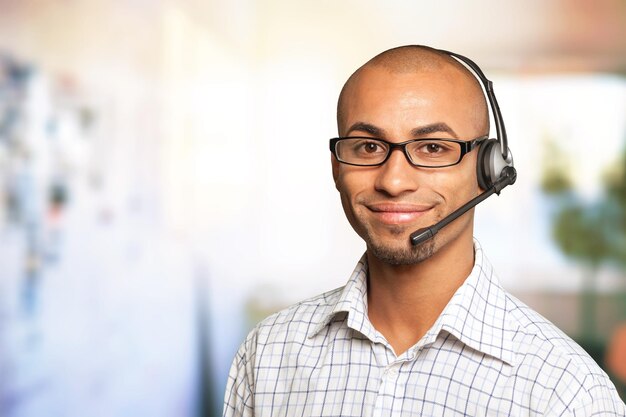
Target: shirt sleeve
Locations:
point(595, 396)
point(601, 399)
point(239, 395)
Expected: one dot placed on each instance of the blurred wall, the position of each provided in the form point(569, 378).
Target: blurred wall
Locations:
point(191, 140)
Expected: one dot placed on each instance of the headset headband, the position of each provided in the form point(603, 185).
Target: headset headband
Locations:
point(495, 109)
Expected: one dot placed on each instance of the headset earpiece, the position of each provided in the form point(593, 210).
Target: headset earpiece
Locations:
point(490, 163)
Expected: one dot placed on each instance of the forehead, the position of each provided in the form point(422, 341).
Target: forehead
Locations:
point(401, 101)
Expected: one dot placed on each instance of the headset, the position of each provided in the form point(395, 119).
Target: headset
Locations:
point(494, 167)
point(493, 154)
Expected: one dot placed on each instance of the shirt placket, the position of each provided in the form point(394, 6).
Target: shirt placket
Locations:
point(390, 390)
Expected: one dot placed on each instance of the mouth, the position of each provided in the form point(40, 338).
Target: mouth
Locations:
point(398, 213)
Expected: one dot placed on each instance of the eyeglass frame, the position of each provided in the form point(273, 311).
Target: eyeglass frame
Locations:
point(466, 147)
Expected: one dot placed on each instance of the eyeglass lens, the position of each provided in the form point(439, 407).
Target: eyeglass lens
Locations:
point(425, 152)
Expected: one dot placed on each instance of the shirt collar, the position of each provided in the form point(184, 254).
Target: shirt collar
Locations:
point(353, 300)
point(476, 314)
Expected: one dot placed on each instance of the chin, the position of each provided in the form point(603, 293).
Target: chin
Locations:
point(401, 252)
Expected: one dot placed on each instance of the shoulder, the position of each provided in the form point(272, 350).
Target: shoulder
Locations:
point(294, 323)
point(542, 338)
point(272, 345)
point(565, 375)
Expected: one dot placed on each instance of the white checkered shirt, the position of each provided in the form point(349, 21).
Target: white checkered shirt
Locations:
point(487, 354)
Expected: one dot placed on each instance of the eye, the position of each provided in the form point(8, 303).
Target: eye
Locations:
point(365, 147)
point(432, 148)
point(370, 147)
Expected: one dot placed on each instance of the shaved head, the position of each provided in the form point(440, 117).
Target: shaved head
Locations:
point(409, 95)
point(419, 59)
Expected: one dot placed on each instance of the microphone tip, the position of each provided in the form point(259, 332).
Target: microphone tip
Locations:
point(421, 235)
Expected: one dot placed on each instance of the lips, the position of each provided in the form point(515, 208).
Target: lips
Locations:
point(398, 213)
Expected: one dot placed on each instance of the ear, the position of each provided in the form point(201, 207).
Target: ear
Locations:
point(335, 166)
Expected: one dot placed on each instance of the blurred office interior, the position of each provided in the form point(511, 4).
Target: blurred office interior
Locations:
point(165, 180)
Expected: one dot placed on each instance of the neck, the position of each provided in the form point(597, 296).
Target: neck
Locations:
point(404, 301)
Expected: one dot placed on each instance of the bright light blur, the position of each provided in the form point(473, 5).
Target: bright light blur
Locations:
point(165, 177)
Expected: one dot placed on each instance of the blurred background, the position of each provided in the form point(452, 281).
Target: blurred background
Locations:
point(165, 180)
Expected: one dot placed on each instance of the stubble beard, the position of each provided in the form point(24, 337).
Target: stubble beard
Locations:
point(403, 253)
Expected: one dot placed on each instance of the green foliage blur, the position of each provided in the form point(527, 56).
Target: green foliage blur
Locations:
point(592, 233)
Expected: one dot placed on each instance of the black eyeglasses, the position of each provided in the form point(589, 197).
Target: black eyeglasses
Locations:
point(427, 153)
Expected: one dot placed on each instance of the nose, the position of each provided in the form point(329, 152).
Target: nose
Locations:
point(397, 176)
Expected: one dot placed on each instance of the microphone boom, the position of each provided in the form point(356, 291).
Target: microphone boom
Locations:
point(507, 177)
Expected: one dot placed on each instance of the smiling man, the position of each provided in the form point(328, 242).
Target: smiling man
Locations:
point(419, 329)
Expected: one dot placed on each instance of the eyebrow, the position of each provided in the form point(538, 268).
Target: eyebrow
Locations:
point(367, 128)
point(418, 131)
point(434, 128)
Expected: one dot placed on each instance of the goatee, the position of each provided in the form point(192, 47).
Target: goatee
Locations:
point(406, 255)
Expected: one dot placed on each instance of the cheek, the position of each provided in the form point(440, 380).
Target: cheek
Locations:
point(455, 184)
point(348, 192)
point(350, 183)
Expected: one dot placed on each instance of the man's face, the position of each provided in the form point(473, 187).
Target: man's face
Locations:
point(385, 204)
